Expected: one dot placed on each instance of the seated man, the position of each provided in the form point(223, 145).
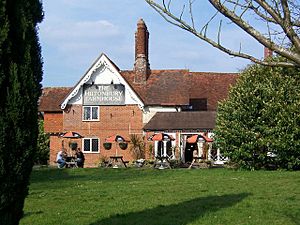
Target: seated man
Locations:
point(60, 158)
point(79, 158)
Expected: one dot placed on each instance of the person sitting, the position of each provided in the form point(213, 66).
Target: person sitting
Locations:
point(79, 158)
point(61, 158)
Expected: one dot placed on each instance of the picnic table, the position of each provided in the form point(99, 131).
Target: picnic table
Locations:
point(162, 162)
point(195, 162)
point(71, 162)
point(118, 161)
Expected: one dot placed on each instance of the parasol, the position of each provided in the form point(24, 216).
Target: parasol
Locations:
point(162, 137)
point(200, 139)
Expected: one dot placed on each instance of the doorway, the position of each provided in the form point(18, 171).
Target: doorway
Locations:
point(188, 151)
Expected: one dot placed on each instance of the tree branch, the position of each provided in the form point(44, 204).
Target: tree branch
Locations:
point(256, 34)
point(273, 15)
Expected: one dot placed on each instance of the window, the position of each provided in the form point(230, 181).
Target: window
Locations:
point(91, 113)
point(90, 144)
point(197, 104)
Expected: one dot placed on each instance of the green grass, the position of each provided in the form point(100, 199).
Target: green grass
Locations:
point(169, 197)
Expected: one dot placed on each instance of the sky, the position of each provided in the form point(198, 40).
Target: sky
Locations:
point(75, 32)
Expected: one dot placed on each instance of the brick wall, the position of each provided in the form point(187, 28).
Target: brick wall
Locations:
point(53, 122)
point(122, 120)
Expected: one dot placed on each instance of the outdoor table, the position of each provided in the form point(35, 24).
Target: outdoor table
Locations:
point(71, 162)
point(162, 162)
point(195, 161)
point(118, 161)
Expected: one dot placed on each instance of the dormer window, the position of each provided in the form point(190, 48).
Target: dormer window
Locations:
point(196, 104)
point(90, 113)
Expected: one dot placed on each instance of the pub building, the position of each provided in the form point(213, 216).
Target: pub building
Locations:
point(108, 101)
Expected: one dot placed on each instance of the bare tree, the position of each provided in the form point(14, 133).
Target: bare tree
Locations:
point(273, 23)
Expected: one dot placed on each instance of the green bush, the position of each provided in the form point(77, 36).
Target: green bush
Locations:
point(258, 126)
point(43, 149)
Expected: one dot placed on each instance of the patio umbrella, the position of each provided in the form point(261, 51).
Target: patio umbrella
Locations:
point(71, 135)
point(115, 139)
point(200, 139)
point(162, 137)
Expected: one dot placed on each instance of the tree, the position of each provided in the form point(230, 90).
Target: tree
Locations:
point(258, 126)
point(43, 150)
point(273, 23)
point(137, 146)
point(20, 88)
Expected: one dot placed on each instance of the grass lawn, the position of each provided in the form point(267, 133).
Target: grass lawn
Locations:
point(169, 197)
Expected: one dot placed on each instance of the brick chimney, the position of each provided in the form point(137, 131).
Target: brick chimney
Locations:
point(141, 64)
point(267, 53)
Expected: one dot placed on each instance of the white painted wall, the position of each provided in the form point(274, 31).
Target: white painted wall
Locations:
point(150, 111)
point(102, 72)
point(107, 77)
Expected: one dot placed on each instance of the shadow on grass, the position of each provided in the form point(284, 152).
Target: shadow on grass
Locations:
point(175, 214)
point(32, 213)
point(78, 174)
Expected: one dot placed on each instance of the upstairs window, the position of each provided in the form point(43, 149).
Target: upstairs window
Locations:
point(90, 113)
point(197, 104)
point(91, 145)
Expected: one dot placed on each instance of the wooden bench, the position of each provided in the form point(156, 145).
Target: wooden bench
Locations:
point(125, 163)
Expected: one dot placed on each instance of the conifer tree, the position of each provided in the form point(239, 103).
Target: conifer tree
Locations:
point(20, 88)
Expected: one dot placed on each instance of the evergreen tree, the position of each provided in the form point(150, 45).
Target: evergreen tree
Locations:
point(43, 150)
point(258, 126)
point(20, 77)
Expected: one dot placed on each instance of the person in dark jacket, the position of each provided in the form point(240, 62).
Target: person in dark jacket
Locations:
point(79, 158)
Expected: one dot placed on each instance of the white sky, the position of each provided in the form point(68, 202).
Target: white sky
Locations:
point(75, 32)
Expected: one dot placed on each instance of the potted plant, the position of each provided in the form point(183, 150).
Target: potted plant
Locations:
point(107, 145)
point(137, 147)
point(123, 145)
point(73, 145)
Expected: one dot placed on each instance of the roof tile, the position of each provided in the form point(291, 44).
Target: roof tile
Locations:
point(52, 97)
point(163, 87)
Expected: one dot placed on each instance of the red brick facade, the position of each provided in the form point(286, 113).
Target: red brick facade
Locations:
point(53, 122)
point(122, 120)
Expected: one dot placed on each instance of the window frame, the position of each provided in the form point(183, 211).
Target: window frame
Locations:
point(91, 108)
point(90, 147)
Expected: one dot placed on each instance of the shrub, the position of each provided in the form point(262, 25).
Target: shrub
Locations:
point(137, 146)
point(261, 119)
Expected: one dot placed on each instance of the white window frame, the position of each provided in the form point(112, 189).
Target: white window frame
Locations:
point(90, 151)
point(91, 107)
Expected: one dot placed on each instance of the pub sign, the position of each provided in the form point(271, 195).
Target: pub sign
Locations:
point(104, 94)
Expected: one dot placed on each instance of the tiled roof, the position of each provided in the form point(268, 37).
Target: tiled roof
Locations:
point(52, 97)
point(176, 87)
point(163, 87)
point(212, 86)
point(203, 120)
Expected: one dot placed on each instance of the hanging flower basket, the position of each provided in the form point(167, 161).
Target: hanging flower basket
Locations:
point(73, 145)
point(123, 145)
point(107, 145)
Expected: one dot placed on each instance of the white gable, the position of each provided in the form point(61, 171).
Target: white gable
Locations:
point(102, 72)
